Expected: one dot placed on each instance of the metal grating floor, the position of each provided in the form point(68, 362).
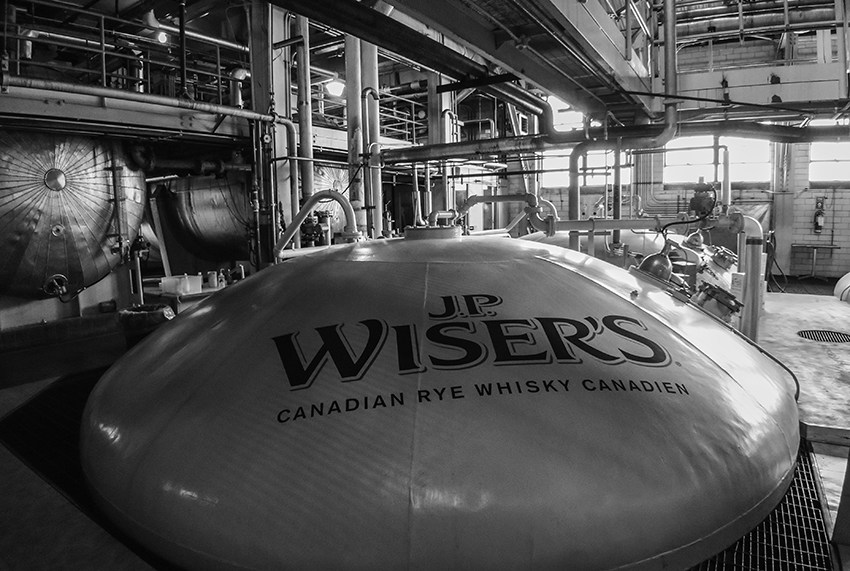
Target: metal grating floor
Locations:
point(824, 336)
point(793, 537)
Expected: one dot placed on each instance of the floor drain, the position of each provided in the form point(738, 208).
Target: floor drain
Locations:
point(824, 336)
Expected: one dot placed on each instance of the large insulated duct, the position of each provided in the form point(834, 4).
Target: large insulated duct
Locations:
point(58, 218)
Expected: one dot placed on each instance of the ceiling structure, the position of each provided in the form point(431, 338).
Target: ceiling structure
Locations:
point(603, 57)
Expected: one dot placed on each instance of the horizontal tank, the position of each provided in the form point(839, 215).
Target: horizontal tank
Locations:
point(58, 218)
point(210, 215)
point(456, 403)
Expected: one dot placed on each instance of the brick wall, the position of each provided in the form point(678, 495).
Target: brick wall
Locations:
point(836, 232)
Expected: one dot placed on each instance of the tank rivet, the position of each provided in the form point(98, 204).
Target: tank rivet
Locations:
point(54, 179)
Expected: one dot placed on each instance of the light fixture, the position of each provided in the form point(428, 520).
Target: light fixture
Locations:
point(335, 87)
point(162, 37)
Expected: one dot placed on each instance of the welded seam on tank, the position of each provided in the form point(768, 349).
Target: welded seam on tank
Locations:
point(410, 474)
point(666, 326)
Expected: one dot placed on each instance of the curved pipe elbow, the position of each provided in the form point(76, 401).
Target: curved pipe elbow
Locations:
point(349, 230)
point(538, 223)
point(367, 91)
point(436, 215)
point(752, 227)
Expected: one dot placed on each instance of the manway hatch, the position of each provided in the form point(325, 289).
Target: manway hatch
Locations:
point(793, 537)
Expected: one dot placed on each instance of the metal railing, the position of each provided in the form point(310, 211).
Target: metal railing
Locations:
point(58, 41)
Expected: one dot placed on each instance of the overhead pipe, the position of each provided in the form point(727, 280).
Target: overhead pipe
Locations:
point(349, 233)
point(758, 23)
point(147, 160)
point(149, 20)
point(686, 15)
point(531, 199)
point(485, 148)
point(550, 226)
point(148, 98)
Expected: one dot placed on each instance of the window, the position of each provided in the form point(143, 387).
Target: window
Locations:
point(829, 161)
point(556, 164)
point(690, 158)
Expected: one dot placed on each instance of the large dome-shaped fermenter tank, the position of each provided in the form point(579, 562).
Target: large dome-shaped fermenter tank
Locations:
point(210, 215)
point(460, 403)
point(57, 211)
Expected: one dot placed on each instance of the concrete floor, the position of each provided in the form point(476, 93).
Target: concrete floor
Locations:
point(41, 530)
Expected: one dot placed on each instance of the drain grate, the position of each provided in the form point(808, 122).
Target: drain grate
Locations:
point(792, 538)
point(824, 336)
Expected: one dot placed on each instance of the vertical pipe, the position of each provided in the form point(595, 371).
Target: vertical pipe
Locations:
point(726, 187)
point(716, 155)
point(436, 132)
point(118, 200)
point(628, 10)
point(287, 67)
point(305, 106)
point(103, 81)
point(255, 192)
point(220, 82)
point(841, 16)
point(618, 188)
point(428, 198)
point(184, 81)
point(274, 189)
point(372, 126)
point(353, 87)
point(417, 199)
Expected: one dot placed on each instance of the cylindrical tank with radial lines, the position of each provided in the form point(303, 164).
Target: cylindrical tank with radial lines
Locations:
point(58, 221)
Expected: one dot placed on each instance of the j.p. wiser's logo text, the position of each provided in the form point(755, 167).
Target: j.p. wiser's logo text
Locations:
point(465, 332)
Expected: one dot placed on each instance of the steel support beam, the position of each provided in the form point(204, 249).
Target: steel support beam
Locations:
point(589, 26)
